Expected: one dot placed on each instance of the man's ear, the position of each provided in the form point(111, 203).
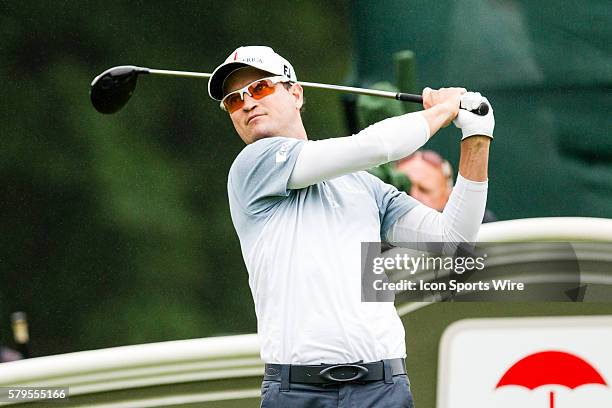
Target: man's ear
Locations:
point(298, 94)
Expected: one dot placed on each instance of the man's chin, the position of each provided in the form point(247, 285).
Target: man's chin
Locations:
point(258, 134)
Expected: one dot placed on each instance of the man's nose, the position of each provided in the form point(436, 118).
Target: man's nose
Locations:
point(249, 102)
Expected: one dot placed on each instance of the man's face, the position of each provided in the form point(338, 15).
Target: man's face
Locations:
point(274, 115)
point(429, 185)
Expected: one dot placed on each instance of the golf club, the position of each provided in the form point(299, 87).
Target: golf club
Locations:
point(112, 89)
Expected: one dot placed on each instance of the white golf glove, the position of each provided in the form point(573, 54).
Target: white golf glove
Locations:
point(470, 123)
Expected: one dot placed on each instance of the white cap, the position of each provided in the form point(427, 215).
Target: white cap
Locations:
point(256, 56)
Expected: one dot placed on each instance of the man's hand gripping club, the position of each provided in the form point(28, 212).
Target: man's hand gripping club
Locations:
point(442, 107)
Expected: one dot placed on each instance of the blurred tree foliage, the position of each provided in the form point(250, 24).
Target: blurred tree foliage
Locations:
point(116, 229)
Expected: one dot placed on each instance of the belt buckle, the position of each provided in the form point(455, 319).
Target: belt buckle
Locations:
point(343, 372)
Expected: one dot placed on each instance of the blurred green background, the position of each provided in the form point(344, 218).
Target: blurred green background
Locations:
point(116, 229)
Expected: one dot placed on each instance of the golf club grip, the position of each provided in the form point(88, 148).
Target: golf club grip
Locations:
point(481, 110)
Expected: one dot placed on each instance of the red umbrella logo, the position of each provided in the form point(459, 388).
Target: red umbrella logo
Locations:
point(551, 368)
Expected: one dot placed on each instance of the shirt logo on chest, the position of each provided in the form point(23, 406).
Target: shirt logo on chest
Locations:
point(281, 155)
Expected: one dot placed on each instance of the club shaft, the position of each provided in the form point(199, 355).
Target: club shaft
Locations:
point(186, 74)
point(340, 88)
point(364, 91)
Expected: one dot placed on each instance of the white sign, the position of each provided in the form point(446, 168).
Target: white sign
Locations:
point(539, 362)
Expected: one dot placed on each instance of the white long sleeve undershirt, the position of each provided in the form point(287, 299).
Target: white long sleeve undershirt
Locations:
point(459, 222)
point(382, 142)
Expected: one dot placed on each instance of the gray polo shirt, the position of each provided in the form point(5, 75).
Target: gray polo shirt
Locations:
point(302, 252)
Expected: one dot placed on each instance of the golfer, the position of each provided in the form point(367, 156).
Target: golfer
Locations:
point(302, 208)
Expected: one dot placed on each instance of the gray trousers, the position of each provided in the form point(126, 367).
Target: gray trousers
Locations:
point(354, 395)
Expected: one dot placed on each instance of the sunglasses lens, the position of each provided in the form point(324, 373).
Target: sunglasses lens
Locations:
point(257, 89)
point(233, 102)
point(261, 89)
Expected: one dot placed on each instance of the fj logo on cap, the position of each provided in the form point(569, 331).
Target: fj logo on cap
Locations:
point(287, 71)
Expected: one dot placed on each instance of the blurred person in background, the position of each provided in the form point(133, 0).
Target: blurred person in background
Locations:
point(431, 178)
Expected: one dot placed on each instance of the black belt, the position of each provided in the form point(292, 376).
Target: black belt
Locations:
point(336, 373)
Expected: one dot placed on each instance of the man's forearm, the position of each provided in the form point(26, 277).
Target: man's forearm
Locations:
point(474, 161)
point(464, 211)
point(459, 222)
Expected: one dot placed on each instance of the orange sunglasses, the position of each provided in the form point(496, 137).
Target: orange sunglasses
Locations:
point(256, 90)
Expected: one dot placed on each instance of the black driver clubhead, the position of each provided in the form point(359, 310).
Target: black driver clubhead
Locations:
point(112, 89)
